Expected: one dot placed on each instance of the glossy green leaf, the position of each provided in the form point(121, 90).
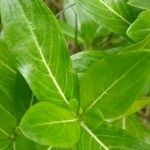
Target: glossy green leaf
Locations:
point(7, 77)
point(140, 29)
point(144, 4)
point(100, 85)
point(107, 137)
point(119, 14)
point(7, 127)
point(51, 125)
point(39, 47)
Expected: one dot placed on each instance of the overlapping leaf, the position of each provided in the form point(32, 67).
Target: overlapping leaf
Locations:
point(107, 137)
point(7, 127)
point(119, 14)
point(140, 29)
point(51, 125)
point(38, 44)
point(7, 77)
point(144, 44)
point(144, 4)
point(110, 87)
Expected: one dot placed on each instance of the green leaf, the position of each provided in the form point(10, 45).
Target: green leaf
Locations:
point(83, 60)
point(140, 46)
point(7, 77)
point(108, 137)
point(7, 127)
point(39, 47)
point(86, 28)
point(22, 143)
point(138, 105)
point(23, 99)
point(144, 4)
point(134, 126)
point(140, 29)
point(101, 83)
point(117, 20)
point(51, 125)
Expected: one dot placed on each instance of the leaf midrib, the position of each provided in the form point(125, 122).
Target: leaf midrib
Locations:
point(43, 58)
point(114, 12)
point(56, 122)
point(94, 136)
point(4, 132)
point(114, 83)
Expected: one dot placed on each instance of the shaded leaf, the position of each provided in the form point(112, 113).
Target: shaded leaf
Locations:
point(7, 77)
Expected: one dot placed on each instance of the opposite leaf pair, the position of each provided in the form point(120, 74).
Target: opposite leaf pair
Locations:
point(106, 90)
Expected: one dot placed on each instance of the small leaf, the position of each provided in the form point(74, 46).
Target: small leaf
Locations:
point(144, 4)
point(140, 29)
point(51, 125)
point(110, 87)
point(74, 105)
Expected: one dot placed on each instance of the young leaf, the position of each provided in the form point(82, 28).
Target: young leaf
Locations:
point(107, 137)
point(51, 125)
point(117, 19)
point(34, 36)
point(7, 127)
point(106, 87)
point(144, 4)
point(140, 29)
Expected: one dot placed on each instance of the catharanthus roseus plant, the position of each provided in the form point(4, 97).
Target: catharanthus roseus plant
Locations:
point(87, 101)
